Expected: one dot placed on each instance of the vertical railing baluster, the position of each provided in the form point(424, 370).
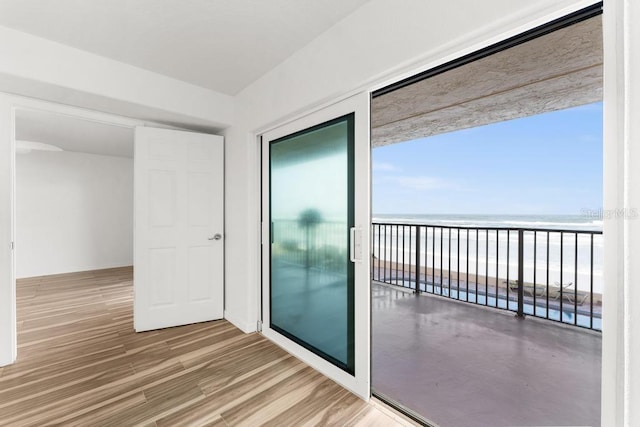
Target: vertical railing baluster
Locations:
point(376, 251)
point(433, 259)
point(477, 254)
point(508, 252)
point(426, 258)
point(449, 263)
point(561, 271)
point(373, 249)
point(467, 284)
point(403, 251)
point(575, 284)
point(379, 250)
point(384, 262)
point(497, 265)
point(441, 258)
point(591, 286)
point(458, 263)
point(390, 255)
point(388, 251)
point(417, 260)
point(390, 259)
point(520, 312)
point(486, 269)
point(547, 275)
point(377, 260)
point(535, 268)
point(396, 246)
point(410, 246)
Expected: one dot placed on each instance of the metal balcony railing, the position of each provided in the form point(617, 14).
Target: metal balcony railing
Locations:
point(548, 273)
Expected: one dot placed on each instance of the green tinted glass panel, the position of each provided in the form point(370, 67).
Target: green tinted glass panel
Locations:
point(311, 204)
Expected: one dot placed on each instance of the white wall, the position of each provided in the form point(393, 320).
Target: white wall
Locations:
point(74, 212)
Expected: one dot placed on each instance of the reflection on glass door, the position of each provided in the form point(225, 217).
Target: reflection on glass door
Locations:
point(311, 211)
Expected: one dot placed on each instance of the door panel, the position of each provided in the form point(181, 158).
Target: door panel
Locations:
point(311, 215)
point(200, 273)
point(162, 267)
point(162, 191)
point(178, 265)
point(199, 191)
point(315, 192)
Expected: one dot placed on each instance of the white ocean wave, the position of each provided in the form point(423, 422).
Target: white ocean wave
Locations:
point(496, 221)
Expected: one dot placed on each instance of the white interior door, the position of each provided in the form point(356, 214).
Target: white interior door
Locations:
point(178, 232)
point(316, 216)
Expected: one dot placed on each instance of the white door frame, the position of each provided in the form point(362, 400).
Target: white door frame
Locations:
point(360, 382)
point(9, 105)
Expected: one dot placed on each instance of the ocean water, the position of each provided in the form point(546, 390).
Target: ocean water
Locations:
point(560, 222)
point(549, 256)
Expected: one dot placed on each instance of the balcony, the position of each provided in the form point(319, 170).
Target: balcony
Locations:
point(488, 327)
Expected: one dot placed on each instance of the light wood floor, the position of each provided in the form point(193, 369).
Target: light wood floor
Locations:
point(80, 363)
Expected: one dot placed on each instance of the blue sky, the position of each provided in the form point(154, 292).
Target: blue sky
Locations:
point(545, 164)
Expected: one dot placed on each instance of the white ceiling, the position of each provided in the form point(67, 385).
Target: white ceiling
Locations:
point(222, 45)
point(74, 134)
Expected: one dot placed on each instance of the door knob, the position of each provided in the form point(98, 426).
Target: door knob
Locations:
point(216, 236)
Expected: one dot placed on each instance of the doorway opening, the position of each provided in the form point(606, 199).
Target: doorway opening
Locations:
point(74, 194)
point(73, 220)
point(487, 183)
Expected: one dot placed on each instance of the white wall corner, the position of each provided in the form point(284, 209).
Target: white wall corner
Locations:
point(241, 245)
point(241, 323)
point(254, 229)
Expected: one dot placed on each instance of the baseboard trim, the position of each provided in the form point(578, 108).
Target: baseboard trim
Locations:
point(242, 324)
point(80, 272)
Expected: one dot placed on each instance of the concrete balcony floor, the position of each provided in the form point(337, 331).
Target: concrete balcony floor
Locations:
point(462, 365)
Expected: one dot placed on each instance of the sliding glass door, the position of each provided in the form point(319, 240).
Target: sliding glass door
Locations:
point(315, 283)
point(311, 298)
